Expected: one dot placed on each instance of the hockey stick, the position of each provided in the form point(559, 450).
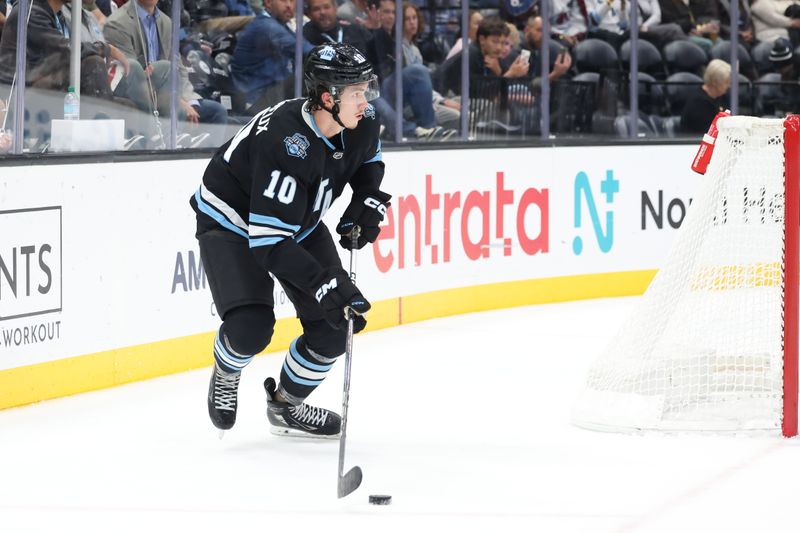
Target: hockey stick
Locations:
point(350, 481)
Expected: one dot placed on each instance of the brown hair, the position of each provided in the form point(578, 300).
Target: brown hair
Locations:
point(420, 20)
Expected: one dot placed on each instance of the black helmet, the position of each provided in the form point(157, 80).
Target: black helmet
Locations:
point(331, 66)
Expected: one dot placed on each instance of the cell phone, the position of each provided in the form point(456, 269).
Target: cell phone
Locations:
point(525, 54)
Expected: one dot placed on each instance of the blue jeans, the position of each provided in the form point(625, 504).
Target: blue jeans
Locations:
point(417, 94)
point(212, 112)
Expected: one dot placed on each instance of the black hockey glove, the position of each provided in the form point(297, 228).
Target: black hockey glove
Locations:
point(336, 293)
point(366, 210)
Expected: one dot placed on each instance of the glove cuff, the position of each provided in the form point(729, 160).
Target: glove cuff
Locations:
point(382, 197)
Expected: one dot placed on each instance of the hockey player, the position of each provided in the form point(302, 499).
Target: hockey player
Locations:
point(259, 210)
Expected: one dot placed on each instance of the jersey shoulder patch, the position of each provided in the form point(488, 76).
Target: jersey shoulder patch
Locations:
point(296, 145)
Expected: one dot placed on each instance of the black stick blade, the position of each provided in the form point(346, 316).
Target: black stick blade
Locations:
point(350, 481)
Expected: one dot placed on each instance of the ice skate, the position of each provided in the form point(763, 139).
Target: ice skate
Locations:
point(222, 397)
point(301, 420)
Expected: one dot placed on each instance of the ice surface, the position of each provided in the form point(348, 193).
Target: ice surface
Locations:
point(464, 421)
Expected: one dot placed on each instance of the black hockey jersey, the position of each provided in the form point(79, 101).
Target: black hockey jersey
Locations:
point(274, 180)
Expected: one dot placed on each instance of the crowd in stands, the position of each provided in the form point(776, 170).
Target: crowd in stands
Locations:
point(238, 57)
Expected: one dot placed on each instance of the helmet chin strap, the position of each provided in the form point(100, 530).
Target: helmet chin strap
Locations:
point(334, 111)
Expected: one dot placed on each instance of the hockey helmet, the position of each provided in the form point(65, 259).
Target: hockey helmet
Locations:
point(331, 67)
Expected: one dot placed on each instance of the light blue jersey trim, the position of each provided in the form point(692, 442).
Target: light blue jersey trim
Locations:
point(305, 234)
point(213, 213)
point(272, 221)
point(319, 133)
point(378, 155)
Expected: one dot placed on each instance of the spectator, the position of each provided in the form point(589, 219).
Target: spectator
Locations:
point(653, 29)
point(130, 84)
point(475, 19)
point(239, 8)
point(417, 93)
point(3, 9)
point(703, 106)
point(263, 61)
point(144, 34)
point(360, 12)
point(770, 20)
point(783, 61)
point(609, 21)
point(699, 19)
point(91, 7)
point(569, 21)
point(383, 39)
point(323, 27)
point(48, 56)
point(446, 110)
point(509, 62)
point(533, 40)
point(744, 25)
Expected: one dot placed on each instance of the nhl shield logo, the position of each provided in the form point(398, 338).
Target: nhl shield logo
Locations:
point(297, 145)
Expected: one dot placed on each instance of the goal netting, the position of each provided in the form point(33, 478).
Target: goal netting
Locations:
point(706, 346)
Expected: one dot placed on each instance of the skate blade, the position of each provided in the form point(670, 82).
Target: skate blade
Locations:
point(297, 434)
point(221, 434)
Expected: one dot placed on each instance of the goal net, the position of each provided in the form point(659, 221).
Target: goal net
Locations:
point(712, 344)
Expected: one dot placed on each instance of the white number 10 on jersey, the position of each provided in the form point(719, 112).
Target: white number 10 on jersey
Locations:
point(287, 190)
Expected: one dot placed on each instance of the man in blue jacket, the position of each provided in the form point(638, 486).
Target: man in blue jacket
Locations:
point(263, 62)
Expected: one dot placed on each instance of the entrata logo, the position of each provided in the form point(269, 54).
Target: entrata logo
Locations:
point(30, 262)
point(470, 223)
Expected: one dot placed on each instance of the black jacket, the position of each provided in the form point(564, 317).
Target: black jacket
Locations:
point(699, 112)
point(48, 48)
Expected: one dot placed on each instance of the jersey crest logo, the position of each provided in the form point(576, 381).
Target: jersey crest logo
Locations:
point(369, 112)
point(327, 53)
point(297, 145)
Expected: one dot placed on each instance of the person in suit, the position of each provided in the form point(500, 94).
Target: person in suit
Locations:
point(144, 33)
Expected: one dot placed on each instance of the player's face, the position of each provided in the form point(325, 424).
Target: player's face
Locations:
point(352, 104)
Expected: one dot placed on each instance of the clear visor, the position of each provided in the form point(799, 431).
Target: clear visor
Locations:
point(360, 92)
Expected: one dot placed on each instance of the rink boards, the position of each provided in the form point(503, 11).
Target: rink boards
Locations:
point(101, 281)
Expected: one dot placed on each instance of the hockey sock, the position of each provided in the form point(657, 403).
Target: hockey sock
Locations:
point(303, 370)
point(226, 358)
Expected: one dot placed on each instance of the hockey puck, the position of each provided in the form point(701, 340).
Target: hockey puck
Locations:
point(380, 499)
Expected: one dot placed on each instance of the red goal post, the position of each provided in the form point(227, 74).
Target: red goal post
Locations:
point(791, 135)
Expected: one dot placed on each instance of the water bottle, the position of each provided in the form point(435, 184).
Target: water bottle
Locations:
point(72, 105)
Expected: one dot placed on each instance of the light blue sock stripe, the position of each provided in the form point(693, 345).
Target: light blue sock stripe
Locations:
point(298, 380)
point(304, 362)
point(227, 359)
